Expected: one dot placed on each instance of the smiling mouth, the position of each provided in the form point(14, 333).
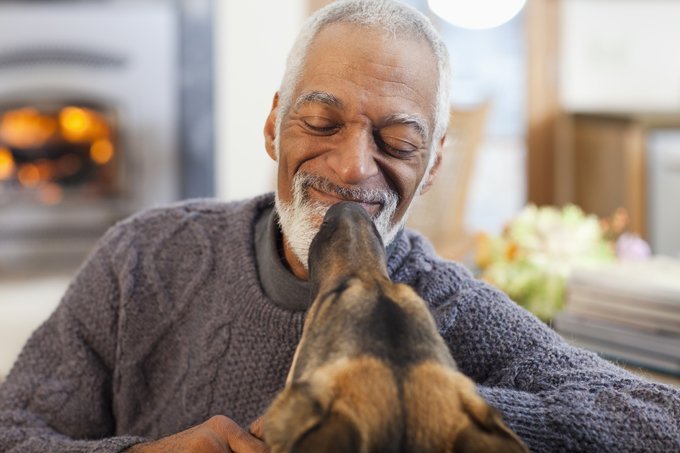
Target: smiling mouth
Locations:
point(372, 207)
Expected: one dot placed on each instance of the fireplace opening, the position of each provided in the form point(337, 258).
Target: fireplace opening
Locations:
point(63, 180)
point(51, 152)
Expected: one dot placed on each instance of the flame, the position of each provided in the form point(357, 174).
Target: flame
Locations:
point(80, 124)
point(70, 130)
point(33, 174)
point(101, 151)
point(28, 175)
point(26, 128)
point(74, 122)
point(7, 165)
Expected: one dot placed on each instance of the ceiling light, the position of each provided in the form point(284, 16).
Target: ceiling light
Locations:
point(476, 14)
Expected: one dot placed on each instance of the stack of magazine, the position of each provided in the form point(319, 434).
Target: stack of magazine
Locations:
point(628, 311)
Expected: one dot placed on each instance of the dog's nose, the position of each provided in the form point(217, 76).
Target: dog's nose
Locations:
point(346, 210)
point(347, 243)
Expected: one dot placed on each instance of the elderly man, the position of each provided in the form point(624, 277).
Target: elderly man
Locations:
point(179, 329)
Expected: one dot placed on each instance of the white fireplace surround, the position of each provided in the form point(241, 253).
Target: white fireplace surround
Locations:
point(120, 55)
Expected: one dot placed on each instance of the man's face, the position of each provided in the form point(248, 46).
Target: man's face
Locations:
point(359, 128)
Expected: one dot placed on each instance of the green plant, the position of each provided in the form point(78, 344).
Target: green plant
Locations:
point(533, 257)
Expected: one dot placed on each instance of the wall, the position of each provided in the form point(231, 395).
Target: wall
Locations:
point(252, 42)
point(488, 65)
point(619, 55)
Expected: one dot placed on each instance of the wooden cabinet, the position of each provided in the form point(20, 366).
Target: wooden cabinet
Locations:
point(601, 165)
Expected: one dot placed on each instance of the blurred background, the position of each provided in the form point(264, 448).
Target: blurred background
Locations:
point(564, 148)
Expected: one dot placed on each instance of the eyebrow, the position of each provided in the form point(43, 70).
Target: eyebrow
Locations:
point(397, 118)
point(318, 96)
point(412, 120)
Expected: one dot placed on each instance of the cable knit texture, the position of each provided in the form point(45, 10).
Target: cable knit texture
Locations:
point(166, 324)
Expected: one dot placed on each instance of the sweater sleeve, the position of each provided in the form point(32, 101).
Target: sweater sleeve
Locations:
point(58, 395)
point(555, 396)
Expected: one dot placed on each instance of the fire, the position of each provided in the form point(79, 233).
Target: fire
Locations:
point(34, 174)
point(101, 151)
point(74, 122)
point(80, 124)
point(26, 128)
point(29, 175)
point(44, 149)
point(6, 163)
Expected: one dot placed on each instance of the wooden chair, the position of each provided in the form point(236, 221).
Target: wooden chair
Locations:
point(440, 213)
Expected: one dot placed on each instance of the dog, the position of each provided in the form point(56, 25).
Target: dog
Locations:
point(371, 373)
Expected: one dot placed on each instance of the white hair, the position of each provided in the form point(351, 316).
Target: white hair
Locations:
point(395, 18)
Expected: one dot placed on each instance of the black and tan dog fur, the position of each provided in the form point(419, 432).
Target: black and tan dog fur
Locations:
point(371, 373)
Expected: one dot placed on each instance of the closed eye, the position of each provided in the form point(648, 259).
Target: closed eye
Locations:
point(320, 125)
point(395, 146)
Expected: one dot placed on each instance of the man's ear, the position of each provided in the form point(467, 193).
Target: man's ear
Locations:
point(429, 178)
point(270, 128)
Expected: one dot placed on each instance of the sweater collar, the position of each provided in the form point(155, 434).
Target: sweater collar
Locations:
point(278, 282)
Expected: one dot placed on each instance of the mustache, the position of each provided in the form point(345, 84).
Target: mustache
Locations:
point(385, 197)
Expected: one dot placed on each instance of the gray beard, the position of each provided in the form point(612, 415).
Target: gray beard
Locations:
point(300, 219)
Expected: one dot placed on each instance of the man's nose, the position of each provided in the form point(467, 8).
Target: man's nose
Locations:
point(353, 160)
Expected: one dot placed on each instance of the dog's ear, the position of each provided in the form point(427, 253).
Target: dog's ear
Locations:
point(300, 421)
point(294, 412)
point(335, 434)
point(486, 432)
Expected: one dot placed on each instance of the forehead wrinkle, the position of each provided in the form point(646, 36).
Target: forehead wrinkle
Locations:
point(418, 121)
point(321, 97)
point(387, 75)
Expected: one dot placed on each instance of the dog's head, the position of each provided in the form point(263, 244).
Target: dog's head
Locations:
point(371, 372)
point(346, 245)
point(325, 413)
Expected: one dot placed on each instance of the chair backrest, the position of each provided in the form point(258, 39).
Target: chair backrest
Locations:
point(440, 213)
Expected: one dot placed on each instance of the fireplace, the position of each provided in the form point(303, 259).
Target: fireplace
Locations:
point(88, 123)
point(57, 151)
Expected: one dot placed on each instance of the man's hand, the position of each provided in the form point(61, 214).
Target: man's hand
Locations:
point(217, 434)
point(257, 428)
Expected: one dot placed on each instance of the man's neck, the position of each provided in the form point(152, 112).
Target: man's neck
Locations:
point(278, 281)
point(293, 262)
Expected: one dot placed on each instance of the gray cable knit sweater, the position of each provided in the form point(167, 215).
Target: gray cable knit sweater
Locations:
point(167, 324)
